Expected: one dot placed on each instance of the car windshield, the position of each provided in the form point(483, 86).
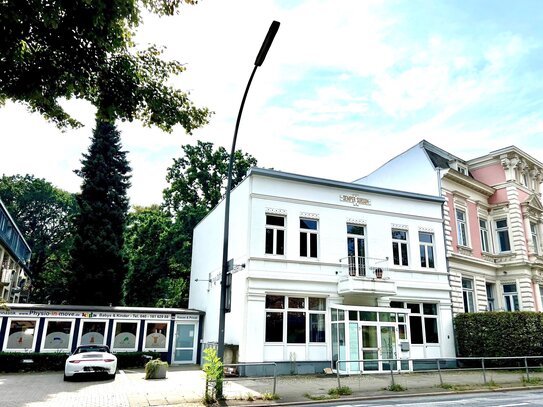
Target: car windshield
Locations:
point(92, 348)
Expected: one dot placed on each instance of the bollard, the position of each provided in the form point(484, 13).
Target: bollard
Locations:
point(391, 372)
point(274, 378)
point(527, 370)
point(337, 372)
point(484, 372)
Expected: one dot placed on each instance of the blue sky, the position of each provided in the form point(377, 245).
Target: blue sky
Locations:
point(346, 86)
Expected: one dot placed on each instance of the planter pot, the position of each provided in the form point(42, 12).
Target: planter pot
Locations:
point(160, 373)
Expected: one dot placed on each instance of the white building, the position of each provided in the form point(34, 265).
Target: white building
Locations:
point(332, 270)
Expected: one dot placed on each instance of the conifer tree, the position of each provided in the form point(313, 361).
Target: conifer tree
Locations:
point(98, 267)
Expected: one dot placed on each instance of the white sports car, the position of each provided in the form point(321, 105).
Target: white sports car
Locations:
point(90, 359)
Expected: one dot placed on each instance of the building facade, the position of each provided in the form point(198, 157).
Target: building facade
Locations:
point(326, 271)
point(172, 332)
point(14, 260)
point(493, 222)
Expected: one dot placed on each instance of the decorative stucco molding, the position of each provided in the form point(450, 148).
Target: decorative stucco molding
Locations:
point(276, 211)
point(309, 215)
point(354, 221)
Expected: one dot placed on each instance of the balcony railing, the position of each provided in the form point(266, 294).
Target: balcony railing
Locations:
point(370, 267)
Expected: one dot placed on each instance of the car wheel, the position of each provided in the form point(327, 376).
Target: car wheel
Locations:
point(67, 378)
point(111, 376)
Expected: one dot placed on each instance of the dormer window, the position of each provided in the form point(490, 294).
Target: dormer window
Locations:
point(462, 169)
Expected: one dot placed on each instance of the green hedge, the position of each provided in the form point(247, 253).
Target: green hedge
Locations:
point(14, 361)
point(499, 334)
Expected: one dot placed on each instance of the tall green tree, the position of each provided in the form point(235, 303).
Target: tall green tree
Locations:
point(197, 183)
point(98, 264)
point(44, 215)
point(54, 50)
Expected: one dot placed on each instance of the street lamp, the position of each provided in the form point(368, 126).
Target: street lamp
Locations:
point(258, 62)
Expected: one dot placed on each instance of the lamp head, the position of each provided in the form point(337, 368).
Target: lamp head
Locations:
point(274, 27)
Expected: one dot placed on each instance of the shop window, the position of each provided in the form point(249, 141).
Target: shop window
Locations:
point(302, 320)
point(275, 235)
point(93, 333)
point(156, 335)
point(125, 335)
point(57, 335)
point(21, 335)
point(423, 323)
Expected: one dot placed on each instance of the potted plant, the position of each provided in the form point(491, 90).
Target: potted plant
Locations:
point(156, 369)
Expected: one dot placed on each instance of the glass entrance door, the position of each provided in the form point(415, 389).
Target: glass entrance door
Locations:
point(185, 340)
point(388, 347)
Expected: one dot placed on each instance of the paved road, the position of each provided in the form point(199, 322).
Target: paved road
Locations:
point(527, 398)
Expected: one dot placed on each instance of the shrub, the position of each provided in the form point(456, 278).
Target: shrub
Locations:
point(481, 334)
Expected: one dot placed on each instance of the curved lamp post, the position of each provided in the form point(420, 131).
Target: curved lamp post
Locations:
point(258, 62)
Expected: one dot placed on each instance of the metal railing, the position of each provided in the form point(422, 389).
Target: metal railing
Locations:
point(459, 364)
point(233, 376)
point(370, 267)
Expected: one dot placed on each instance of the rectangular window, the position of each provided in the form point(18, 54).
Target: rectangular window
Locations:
point(462, 230)
point(308, 237)
point(156, 334)
point(502, 232)
point(399, 247)
point(21, 335)
point(510, 297)
point(58, 335)
point(93, 333)
point(467, 294)
point(491, 305)
point(302, 321)
point(356, 250)
point(125, 335)
point(426, 244)
point(483, 228)
point(275, 235)
point(424, 327)
point(535, 239)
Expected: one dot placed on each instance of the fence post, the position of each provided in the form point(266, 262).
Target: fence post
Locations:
point(527, 370)
point(337, 372)
point(484, 372)
point(391, 371)
point(274, 377)
point(439, 372)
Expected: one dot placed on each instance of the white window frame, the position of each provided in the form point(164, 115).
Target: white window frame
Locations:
point(490, 296)
point(308, 233)
point(468, 295)
point(535, 237)
point(34, 339)
point(138, 325)
point(308, 312)
point(485, 235)
point(275, 229)
point(70, 335)
point(91, 320)
point(357, 263)
point(509, 298)
point(156, 321)
point(499, 231)
point(425, 248)
point(399, 243)
point(462, 227)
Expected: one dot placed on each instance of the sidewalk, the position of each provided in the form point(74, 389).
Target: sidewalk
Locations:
point(184, 386)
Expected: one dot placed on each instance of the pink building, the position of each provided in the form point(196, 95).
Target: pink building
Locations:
point(492, 218)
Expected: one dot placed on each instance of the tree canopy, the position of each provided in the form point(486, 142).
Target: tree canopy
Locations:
point(54, 50)
point(43, 213)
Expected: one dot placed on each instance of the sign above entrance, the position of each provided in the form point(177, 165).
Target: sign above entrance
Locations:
point(355, 200)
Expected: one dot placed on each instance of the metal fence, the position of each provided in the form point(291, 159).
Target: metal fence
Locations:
point(482, 364)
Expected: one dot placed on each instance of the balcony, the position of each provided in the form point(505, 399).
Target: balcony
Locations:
point(365, 275)
point(5, 277)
